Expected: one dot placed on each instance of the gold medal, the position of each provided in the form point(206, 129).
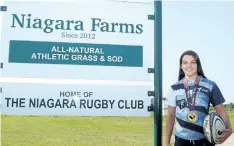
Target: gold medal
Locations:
point(192, 116)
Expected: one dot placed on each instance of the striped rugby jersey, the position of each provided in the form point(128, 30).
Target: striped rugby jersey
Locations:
point(208, 92)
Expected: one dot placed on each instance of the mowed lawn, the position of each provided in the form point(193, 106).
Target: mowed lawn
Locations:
point(78, 131)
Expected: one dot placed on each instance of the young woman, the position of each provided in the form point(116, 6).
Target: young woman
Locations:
point(188, 102)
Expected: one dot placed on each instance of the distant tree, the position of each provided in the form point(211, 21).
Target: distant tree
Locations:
point(231, 106)
point(226, 106)
point(212, 108)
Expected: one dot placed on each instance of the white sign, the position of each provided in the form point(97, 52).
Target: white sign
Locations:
point(74, 100)
point(104, 40)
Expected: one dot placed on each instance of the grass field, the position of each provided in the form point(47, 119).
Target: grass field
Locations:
point(78, 131)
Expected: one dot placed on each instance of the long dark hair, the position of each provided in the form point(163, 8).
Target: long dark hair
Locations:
point(199, 66)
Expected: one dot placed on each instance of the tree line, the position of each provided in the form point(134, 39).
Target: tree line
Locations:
point(229, 107)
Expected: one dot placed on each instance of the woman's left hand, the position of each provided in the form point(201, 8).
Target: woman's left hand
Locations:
point(226, 133)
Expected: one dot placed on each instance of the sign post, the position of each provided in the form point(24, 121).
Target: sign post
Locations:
point(156, 105)
point(158, 73)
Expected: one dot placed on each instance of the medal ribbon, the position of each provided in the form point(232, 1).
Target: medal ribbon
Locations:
point(191, 98)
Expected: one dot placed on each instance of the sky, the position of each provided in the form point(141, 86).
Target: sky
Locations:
point(207, 27)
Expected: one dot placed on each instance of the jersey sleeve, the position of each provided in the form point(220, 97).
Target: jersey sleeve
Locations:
point(171, 98)
point(216, 96)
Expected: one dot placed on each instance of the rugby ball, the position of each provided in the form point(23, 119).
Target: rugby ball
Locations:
point(213, 126)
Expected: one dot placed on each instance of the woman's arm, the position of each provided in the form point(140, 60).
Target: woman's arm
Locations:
point(220, 109)
point(170, 123)
point(228, 131)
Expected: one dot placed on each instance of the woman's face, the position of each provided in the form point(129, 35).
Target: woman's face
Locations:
point(189, 65)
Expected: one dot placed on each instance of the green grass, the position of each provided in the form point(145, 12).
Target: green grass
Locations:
point(231, 117)
point(78, 131)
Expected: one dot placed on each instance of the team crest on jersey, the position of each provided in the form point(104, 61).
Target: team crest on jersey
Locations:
point(181, 103)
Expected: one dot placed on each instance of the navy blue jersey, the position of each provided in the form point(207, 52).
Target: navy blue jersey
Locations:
point(208, 93)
